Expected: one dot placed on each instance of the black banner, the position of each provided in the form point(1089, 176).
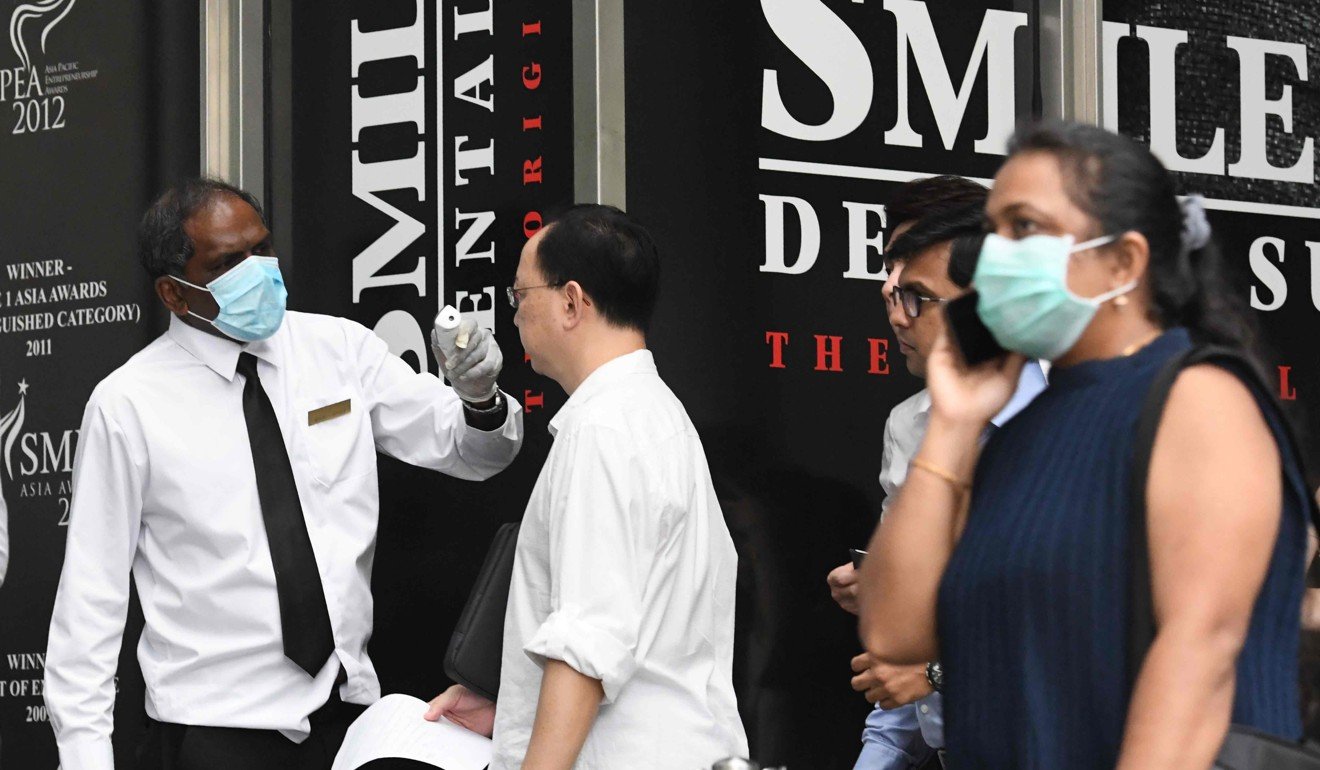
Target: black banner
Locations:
point(429, 141)
point(100, 110)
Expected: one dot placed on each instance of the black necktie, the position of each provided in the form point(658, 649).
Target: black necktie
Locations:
point(304, 619)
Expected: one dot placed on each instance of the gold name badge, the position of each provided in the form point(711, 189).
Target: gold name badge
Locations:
point(326, 413)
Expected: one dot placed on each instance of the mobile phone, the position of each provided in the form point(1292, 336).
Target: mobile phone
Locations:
point(968, 333)
point(856, 554)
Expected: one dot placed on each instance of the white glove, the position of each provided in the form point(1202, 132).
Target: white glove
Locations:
point(469, 356)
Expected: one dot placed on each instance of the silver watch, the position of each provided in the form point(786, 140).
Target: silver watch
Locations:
point(935, 676)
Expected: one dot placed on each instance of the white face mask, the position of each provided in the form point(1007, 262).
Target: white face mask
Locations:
point(251, 297)
point(1025, 301)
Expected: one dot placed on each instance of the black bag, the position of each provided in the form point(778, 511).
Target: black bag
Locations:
point(1244, 748)
point(475, 649)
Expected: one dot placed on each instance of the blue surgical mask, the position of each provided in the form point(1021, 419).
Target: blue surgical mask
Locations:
point(1025, 301)
point(251, 297)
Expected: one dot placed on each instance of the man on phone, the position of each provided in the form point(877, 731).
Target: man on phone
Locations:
point(906, 729)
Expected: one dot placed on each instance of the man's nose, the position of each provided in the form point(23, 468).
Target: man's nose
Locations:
point(898, 318)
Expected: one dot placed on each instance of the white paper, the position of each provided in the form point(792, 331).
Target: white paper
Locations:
point(394, 727)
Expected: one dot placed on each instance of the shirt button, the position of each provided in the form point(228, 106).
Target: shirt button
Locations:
point(925, 709)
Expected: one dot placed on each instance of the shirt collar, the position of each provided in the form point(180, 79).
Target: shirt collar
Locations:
point(606, 375)
point(1030, 384)
point(220, 355)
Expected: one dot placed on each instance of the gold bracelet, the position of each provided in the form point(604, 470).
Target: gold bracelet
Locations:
point(954, 481)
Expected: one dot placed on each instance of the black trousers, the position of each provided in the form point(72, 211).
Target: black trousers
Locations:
point(190, 747)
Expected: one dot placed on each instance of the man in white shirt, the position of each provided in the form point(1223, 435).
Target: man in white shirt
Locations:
point(230, 466)
point(618, 637)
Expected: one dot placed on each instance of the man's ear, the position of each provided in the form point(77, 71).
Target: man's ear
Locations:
point(576, 303)
point(171, 295)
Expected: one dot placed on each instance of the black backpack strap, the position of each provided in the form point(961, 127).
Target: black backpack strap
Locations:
point(1141, 623)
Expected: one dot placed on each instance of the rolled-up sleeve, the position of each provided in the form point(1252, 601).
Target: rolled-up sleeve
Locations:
point(87, 625)
point(604, 535)
point(892, 740)
point(418, 419)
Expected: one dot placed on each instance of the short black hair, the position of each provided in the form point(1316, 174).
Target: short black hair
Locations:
point(613, 258)
point(163, 246)
point(937, 227)
point(932, 197)
point(964, 253)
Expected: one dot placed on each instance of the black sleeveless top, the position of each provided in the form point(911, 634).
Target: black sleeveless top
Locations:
point(1033, 606)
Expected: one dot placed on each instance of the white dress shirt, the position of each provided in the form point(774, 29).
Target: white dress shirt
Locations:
point(164, 486)
point(906, 427)
point(626, 572)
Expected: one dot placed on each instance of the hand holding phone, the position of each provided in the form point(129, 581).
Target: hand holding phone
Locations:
point(968, 334)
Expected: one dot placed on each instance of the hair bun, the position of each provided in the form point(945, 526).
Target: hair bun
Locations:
point(1195, 226)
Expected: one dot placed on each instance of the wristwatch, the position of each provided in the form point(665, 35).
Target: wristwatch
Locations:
point(488, 418)
point(935, 676)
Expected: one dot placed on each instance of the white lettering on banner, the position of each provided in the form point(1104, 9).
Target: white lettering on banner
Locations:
point(399, 330)
point(775, 226)
point(994, 43)
point(1266, 270)
point(475, 21)
point(472, 158)
point(481, 222)
point(1255, 107)
point(1314, 248)
point(479, 306)
point(835, 54)
point(1163, 46)
point(382, 266)
point(369, 179)
point(470, 85)
point(860, 243)
point(1268, 273)
point(36, 94)
point(830, 49)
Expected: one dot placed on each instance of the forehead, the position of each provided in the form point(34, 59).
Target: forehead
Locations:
point(1030, 177)
point(929, 266)
point(225, 223)
point(529, 264)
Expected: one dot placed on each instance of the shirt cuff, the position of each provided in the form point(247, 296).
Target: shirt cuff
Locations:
point(87, 754)
point(488, 419)
point(587, 649)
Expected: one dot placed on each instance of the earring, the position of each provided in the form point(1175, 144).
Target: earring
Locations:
point(1120, 301)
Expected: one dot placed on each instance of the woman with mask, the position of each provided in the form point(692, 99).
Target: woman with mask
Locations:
point(1017, 582)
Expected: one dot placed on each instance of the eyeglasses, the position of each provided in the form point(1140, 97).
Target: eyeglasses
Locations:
point(515, 295)
point(912, 301)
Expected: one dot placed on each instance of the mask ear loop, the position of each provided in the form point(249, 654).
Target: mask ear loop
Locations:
point(1119, 295)
point(1095, 242)
point(211, 321)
